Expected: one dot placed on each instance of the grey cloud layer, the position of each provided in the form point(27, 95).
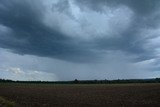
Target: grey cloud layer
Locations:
point(143, 7)
point(29, 36)
point(24, 31)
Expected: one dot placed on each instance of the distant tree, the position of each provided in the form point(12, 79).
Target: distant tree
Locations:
point(157, 80)
point(76, 81)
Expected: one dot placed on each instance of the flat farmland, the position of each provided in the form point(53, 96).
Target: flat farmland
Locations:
point(82, 95)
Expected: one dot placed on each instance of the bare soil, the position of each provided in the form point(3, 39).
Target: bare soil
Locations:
point(76, 95)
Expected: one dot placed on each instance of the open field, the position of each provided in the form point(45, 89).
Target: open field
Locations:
point(77, 95)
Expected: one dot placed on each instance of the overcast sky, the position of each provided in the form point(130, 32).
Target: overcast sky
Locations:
point(79, 39)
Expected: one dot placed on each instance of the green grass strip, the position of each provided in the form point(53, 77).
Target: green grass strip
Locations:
point(6, 103)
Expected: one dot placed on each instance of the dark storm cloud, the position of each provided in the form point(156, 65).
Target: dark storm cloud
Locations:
point(28, 35)
point(144, 17)
point(142, 7)
point(129, 43)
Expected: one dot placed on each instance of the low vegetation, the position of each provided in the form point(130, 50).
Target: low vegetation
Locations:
point(6, 103)
point(118, 81)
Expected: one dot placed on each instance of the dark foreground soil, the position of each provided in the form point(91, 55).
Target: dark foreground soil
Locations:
point(114, 95)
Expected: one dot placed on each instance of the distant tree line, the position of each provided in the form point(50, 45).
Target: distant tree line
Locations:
point(118, 81)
